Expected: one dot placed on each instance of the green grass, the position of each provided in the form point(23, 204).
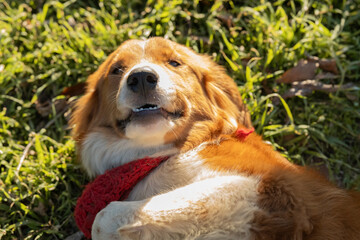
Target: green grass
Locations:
point(48, 45)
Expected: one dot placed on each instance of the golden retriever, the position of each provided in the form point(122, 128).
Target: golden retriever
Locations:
point(159, 98)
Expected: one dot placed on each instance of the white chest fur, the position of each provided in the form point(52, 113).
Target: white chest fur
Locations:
point(101, 152)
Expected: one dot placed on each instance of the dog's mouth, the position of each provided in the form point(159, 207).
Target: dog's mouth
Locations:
point(146, 109)
point(147, 114)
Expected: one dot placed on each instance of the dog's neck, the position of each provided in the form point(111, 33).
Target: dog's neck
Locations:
point(100, 152)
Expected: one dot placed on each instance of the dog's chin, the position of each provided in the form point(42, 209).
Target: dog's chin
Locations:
point(148, 127)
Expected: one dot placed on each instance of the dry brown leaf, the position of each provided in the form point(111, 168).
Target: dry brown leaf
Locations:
point(227, 19)
point(329, 65)
point(45, 108)
point(302, 71)
point(74, 90)
point(319, 86)
point(305, 88)
point(40, 209)
point(293, 92)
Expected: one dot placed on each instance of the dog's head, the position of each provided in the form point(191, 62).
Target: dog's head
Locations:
point(157, 92)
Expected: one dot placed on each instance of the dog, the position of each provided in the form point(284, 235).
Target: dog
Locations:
point(158, 98)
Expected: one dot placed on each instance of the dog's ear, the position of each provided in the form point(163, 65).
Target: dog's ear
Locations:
point(88, 106)
point(223, 92)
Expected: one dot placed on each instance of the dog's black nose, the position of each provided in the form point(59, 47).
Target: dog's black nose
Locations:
point(142, 80)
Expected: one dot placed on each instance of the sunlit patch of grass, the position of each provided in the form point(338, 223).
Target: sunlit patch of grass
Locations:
point(48, 45)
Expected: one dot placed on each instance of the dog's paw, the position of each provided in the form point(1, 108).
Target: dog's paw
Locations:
point(110, 221)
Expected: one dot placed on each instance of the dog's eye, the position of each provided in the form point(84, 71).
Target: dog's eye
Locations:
point(174, 63)
point(117, 71)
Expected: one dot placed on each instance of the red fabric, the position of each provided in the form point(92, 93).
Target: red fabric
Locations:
point(242, 133)
point(113, 185)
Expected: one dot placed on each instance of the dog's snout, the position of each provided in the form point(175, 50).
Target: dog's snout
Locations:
point(142, 80)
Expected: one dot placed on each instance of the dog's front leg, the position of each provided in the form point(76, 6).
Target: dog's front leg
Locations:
point(220, 207)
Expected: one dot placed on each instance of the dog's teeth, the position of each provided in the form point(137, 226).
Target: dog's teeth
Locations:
point(143, 109)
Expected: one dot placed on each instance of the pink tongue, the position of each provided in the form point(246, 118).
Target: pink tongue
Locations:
point(114, 185)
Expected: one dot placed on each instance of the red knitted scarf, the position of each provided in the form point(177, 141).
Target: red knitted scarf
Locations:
point(116, 184)
point(113, 185)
